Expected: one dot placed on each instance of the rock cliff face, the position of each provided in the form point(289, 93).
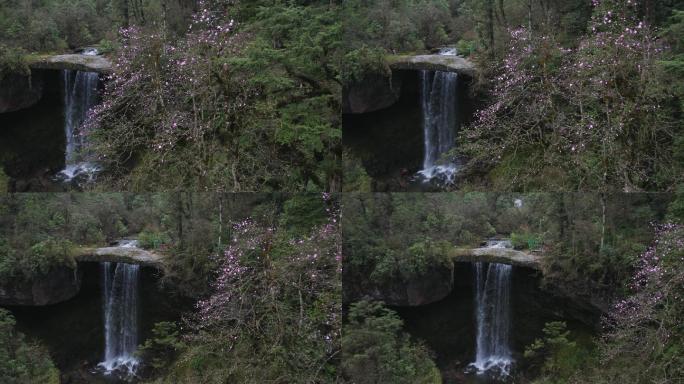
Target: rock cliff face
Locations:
point(374, 93)
point(19, 91)
point(60, 284)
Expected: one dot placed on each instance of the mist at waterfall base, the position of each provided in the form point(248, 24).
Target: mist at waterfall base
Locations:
point(80, 94)
point(450, 327)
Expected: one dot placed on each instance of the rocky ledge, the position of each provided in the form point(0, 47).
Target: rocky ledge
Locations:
point(130, 255)
point(446, 63)
point(498, 255)
point(86, 63)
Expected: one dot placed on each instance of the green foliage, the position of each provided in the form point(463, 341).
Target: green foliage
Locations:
point(403, 235)
point(609, 108)
point(273, 313)
point(255, 108)
point(355, 177)
point(3, 182)
point(301, 211)
point(675, 211)
point(376, 350)
point(525, 240)
point(558, 355)
point(150, 239)
point(23, 362)
point(642, 336)
point(160, 350)
point(11, 61)
point(397, 237)
point(37, 260)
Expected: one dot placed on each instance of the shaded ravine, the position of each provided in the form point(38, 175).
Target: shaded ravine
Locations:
point(479, 331)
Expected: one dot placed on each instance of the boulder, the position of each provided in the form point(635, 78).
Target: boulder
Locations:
point(20, 91)
point(373, 93)
point(60, 284)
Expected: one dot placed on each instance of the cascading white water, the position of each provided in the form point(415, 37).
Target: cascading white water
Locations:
point(120, 285)
point(440, 121)
point(80, 94)
point(493, 316)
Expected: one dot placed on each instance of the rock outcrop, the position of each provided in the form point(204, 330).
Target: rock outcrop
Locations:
point(87, 63)
point(131, 255)
point(20, 91)
point(374, 93)
point(498, 255)
point(59, 284)
point(447, 63)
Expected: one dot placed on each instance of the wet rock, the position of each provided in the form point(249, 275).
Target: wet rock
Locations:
point(59, 284)
point(373, 93)
point(19, 91)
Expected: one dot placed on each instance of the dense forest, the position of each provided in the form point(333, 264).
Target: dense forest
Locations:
point(620, 254)
point(341, 191)
point(262, 270)
point(207, 95)
point(570, 95)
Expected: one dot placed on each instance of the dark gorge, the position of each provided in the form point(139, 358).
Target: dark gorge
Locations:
point(76, 331)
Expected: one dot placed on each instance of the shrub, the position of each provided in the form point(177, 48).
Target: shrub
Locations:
point(151, 239)
point(376, 350)
point(22, 362)
point(12, 61)
point(160, 350)
point(526, 240)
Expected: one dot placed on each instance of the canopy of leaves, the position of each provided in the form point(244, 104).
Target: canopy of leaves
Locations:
point(376, 350)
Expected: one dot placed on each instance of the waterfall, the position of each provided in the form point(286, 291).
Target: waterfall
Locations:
point(493, 316)
point(80, 94)
point(439, 100)
point(120, 285)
